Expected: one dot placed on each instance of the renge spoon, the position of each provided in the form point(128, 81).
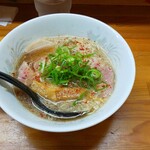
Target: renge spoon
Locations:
point(36, 99)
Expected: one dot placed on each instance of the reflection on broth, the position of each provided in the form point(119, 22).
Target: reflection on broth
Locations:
point(73, 72)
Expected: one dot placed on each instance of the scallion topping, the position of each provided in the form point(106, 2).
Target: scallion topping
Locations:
point(65, 66)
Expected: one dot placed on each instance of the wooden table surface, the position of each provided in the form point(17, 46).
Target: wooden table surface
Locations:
point(129, 127)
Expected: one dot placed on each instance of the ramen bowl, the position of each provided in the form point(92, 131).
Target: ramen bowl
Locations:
point(14, 43)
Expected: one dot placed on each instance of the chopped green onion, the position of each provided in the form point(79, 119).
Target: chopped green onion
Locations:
point(65, 67)
point(82, 95)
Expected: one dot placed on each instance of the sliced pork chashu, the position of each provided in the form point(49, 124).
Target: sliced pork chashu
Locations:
point(38, 49)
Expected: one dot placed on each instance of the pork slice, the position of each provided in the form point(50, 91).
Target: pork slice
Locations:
point(108, 77)
point(38, 49)
point(25, 74)
point(103, 66)
point(108, 74)
point(38, 53)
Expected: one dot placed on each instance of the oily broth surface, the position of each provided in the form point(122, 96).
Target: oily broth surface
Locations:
point(83, 45)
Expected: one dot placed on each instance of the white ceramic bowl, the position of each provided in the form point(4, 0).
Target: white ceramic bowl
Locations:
point(13, 45)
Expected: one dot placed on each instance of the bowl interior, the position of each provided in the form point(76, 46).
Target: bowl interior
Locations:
point(13, 45)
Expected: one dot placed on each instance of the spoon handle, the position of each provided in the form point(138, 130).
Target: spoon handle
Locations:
point(23, 87)
point(18, 84)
